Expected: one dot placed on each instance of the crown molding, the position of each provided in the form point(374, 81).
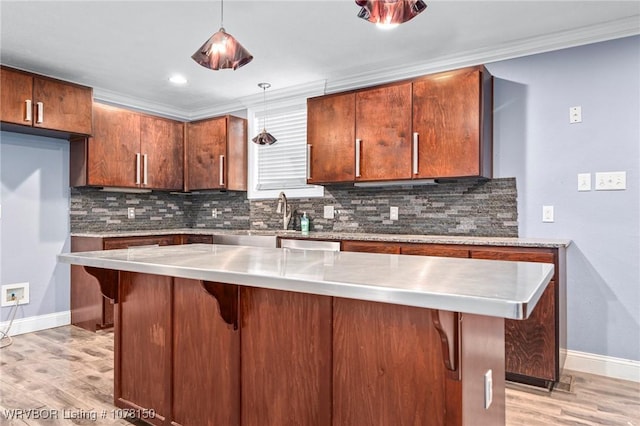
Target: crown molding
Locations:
point(593, 34)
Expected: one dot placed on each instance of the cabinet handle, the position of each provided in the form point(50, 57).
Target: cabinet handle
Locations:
point(137, 168)
point(358, 143)
point(145, 162)
point(415, 153)
point(308, 161)
point(28, 110)
point(222, 170)
point(40, 113)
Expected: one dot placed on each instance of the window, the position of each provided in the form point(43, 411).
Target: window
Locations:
point(283, 165)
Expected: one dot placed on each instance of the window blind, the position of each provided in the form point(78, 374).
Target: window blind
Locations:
point(284, 164)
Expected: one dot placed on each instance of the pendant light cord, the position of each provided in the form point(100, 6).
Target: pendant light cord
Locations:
point(264, 101)
point(222, 14)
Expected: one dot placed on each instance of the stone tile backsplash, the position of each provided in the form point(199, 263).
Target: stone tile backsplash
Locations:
point(473, 207)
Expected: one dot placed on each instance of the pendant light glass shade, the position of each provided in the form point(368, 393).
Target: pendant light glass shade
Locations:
point(264, 137)
point(390, 12)
point(222, 50)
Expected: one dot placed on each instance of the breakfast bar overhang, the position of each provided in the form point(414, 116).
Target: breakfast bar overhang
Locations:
point(232, 335)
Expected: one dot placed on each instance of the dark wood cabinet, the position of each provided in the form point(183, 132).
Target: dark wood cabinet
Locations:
point(44, 103)
point(286, 358)
point(129, 150)
point(452, 124)
point(216, 154)
point(331, 138)
point(383, 133)
point(89, 308)
point(535, 348)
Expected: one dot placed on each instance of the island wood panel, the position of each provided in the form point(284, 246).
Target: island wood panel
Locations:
point(143, 331)
point(383, 124)
point(286, 358)
point(387, 366)
point(531, 345)
point(162, 141)
point(206, 359)
point(331, 136)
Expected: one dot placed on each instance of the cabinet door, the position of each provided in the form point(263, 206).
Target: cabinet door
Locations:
point(383, 133)
point(64, 106)
point(206, 148)
point(16, 97)
point(331, 138)
point(161, 145)
point(531, 346)
point(447, 118)
point(111, 159)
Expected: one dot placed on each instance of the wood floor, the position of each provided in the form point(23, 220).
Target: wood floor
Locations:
point(68, 372)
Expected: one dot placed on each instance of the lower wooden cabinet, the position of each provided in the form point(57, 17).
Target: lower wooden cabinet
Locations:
point(89, 308)
point(535, 347)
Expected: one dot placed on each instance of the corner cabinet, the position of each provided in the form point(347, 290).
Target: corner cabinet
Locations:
point(129, 150)
point(42, 103)
point(216, 154)
point(437, 126)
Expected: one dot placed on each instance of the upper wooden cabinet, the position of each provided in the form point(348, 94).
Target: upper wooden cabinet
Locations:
point(437, 126)
point(216, 154)
point(452, 124)
point(129, 150)
point(44, 103)
point(331, 138)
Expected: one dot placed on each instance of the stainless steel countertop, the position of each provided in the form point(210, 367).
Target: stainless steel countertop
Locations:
point(336, 236)
point(484, 287)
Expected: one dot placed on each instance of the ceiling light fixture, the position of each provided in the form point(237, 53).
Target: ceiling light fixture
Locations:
point(178, 79)
point(390, 13)
point(222, 50)
point(264, 137)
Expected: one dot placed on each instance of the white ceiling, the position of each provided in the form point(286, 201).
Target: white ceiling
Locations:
point(126, 50)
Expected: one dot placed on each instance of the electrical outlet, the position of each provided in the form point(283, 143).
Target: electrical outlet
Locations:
point(214, 213)
point(329, 212)
point(488, 389)
point(393, 213)
point(611, 181)
point(11, 292)
point(547, 213)
point(131, 212)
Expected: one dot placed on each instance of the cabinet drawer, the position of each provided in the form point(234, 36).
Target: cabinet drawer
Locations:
point(370, 247)
point(197, 239)
point(520, 255)
point(126, 242)
point(440, 250)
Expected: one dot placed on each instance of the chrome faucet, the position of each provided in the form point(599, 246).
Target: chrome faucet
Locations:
point(284, 208)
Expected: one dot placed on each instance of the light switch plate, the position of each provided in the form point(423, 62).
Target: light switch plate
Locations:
point(393, 213)
point(547, 213)
point(611, 181)
point(584, 181)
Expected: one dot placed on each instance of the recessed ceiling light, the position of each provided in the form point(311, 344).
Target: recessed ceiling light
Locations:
point(177, 79)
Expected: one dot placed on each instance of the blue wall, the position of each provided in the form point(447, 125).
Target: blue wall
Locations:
point(34, 228)
point(535, 143)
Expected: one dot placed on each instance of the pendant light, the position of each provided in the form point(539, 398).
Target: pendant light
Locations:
point(390, 13)
point(222, 50)
point(264, 137)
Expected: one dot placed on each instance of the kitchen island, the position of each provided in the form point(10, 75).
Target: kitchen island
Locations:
point(231, 335)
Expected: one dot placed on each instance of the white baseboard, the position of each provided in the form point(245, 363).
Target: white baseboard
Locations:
point(37, 323)
point(601, 365)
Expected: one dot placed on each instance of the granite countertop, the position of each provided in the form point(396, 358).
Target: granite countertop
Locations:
point(397, 238)
point(483, 287)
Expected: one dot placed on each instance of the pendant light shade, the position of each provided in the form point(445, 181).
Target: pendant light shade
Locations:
point(222, 50)
point(390, 12)
point(264, 137)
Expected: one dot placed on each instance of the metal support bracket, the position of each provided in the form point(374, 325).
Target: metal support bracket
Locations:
point(108, 280)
